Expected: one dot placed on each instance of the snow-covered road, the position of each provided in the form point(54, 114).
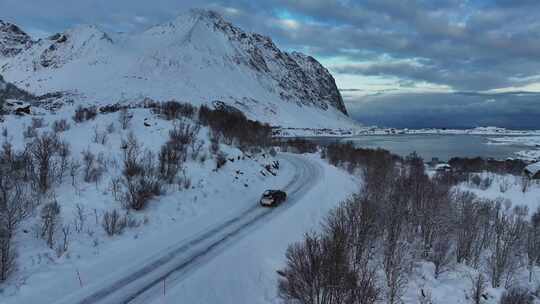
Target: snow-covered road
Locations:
point(176, 263)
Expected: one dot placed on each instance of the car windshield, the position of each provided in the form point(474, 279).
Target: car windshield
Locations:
point(267, 192)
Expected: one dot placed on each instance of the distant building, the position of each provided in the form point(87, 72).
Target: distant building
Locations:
point(443, 167)
point(532, 171)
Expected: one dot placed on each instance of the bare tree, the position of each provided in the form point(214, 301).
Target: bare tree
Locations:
point(440, 254)
point(140, 175)
point(533, 242)
point(509, 228)
point(478, 288)
point(60, 125)
point(317, 272)
point(74, 170)
point(12, 210)
point(43, 150)
point(80, 218)
point(467, 226)
point(50, 222)
point(113, 223)
point(124, 116)
point(517, 296)
point(64, 152)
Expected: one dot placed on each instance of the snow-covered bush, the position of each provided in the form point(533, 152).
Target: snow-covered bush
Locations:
point(171, 110)
point(93, 167)
point(478, 288)
point(124, 117)
point(517, 296)
point(233, 127)
point(113, 222)
point(140, 175)
point(83, 114)
point(60, 125)
point(46, 161)
point(50, 222)
point(221, 160)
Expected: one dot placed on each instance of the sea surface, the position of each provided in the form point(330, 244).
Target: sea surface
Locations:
point(429, 146)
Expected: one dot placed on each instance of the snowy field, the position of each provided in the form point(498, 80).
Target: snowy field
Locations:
point(209, 240)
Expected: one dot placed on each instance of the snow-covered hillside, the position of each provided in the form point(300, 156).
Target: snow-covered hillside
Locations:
point(198, 58)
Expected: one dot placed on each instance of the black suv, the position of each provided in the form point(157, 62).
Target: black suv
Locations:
point(272, 198)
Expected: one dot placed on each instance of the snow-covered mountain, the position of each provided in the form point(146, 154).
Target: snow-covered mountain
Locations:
point(12, 39)
point(198, 57)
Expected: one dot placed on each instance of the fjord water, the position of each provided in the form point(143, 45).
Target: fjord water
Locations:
point(429, 146)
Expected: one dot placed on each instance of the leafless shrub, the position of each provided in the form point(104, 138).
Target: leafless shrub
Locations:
point(60, 125)
point(80, 218)
point(504, 185)
point(37, 123)
point(317, 271)
point(113, 223)
point(299, 146)
point(83, 114)
point(74, 167)
point(7, 252)
point(170, 161)
point(425, 297)
point(140, 176)
point(525, 183)
point(100, 137)
point(440, 254)
point(30, 132)
point(173, 153)
point(233, 127)
point(533, 242)
point(516, 296)
point(184, 182)
point(467, 231)
point(173, 110)
point(124, 116)
point(43, 151)
point(214, 143)
point(221, 160)
point(64, 151)
point(196, 148)
point(64, 246)
point(93, 168)
point(478, 288)
point(50, 221)
point(110, 128)
point(509, 227)
point(115, 186)
point(14, 207)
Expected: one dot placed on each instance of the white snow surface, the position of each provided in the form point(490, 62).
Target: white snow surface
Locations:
point(197, 58)
point(169, 220)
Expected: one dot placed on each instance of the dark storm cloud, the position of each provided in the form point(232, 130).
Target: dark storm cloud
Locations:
point(447, 110)
point(467, 45)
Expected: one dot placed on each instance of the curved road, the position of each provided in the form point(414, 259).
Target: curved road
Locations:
point(176, 263)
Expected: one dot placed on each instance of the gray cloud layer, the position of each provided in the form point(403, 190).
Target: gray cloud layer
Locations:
point(448, 110)
point(467, 45)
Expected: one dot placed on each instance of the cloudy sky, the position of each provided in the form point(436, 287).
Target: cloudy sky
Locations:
point(446, 58)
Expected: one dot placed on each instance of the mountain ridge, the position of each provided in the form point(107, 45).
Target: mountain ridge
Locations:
point(199, 57)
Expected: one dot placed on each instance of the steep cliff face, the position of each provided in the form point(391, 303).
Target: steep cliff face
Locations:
point(198, 57)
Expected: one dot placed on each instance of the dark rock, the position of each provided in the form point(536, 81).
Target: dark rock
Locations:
point(23, 110)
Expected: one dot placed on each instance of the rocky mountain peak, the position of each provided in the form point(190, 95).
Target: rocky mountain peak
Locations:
point(12, 39)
